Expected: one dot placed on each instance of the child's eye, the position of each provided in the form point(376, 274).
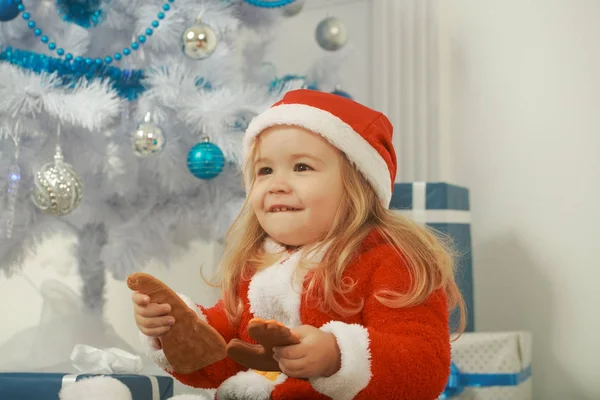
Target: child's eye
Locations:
point(264, 171)
point(302, 167)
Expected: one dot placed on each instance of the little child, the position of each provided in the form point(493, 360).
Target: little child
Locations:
point(315, 247)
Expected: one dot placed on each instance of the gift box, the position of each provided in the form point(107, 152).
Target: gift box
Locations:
point(491, 366)
point(46, 386)
point(444, 207)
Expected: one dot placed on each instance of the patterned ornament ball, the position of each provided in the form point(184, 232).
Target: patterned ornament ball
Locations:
point(205, 160)
point(9, 9)
point(148, 139)
point(331, 34)
point(199, 41)
point(58, 188)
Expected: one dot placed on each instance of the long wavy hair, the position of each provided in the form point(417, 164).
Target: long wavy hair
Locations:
point(428, 254)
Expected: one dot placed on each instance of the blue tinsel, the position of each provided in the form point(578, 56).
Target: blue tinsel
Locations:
point(85, 13)
point(127, 82)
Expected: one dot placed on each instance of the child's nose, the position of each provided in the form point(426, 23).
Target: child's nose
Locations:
point(279, 185)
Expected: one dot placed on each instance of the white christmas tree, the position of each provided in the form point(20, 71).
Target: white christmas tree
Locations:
point(121, 122)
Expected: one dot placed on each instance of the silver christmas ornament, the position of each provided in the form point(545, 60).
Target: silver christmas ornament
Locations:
point(58, 189)
point(331, 34)
point(199, 41)
point(148, 139)
point(293, 9)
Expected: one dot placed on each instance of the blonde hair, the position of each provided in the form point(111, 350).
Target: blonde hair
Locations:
point(428, 254)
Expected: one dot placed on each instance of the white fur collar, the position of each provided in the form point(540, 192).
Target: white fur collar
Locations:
point(273, 247)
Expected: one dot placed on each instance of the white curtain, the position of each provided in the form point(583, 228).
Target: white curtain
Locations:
point(405, 82)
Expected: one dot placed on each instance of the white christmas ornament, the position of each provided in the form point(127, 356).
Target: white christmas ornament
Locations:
point(331, 34)
point(58, 188)
point(199, 41)
point(148, 139)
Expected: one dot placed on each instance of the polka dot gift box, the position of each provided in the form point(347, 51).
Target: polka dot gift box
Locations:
point(490, 366)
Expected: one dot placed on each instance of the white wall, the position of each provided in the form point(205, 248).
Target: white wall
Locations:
point(524, 99)
point(295, 50)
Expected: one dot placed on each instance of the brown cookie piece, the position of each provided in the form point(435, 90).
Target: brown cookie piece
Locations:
point(268, 334)
point(191, 344)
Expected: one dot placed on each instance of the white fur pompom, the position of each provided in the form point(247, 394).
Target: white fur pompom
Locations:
point(201, 396)
point(96, 388)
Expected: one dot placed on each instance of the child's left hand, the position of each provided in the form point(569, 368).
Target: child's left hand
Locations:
point(316, 355)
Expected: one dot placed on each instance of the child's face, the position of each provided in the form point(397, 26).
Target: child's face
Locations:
point(298, 186)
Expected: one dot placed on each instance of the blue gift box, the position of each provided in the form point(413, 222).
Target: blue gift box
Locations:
point(444, 207)
point(46, 386)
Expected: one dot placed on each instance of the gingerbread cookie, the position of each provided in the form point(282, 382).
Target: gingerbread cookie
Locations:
point(259, 356)
point(190, 344)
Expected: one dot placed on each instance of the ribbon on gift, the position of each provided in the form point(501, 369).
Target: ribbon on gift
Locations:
point(458, 380)
point(421, 214)
point(90, 360)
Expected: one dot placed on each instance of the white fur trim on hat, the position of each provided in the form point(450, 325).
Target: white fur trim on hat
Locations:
point(341, 135)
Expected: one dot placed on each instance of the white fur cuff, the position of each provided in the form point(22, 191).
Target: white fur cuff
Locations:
point(158, 356)
point(355, 372)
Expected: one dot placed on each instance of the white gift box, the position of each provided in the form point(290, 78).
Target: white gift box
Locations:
point(491, 366)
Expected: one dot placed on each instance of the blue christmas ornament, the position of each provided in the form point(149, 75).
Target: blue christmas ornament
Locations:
point(9, 9)
point(269, 3)
point(205, 160)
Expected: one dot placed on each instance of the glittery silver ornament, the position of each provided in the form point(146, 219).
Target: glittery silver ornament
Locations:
point(331, 34)
point(293, 9)
point(148, 139)
point(199, 41)
point(58, 188)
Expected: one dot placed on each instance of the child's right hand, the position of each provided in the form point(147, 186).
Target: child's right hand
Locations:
point(152, 319)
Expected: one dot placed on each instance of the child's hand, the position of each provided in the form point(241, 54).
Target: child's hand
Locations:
point(152, 319)
point(317, 354)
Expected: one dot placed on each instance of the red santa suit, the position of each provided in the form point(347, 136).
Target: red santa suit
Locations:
point(386, 353)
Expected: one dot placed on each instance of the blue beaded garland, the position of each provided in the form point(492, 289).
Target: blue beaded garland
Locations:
point(77, 12)
point(205, 160)
point(9, 9)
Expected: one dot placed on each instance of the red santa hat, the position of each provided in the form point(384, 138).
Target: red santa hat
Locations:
point(362, 134)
